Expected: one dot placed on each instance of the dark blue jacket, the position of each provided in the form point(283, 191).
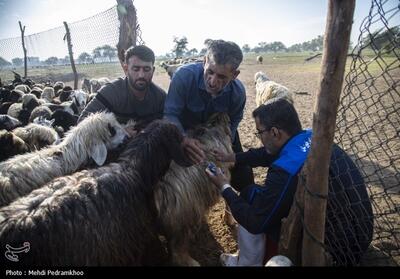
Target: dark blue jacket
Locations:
point(260, 209)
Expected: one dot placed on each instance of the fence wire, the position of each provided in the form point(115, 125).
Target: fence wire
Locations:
point(94, 42)
point(368, 126)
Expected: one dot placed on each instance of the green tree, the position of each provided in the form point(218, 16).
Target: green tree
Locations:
point(246, 48)
point(180, 46)
point(383, 40)
point(85, 57)
point(51, 60)
point(105, 51)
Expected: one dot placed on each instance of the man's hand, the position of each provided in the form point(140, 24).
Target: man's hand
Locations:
point(131, 131)
point(194, 150)
point(219, 179)
point(223, 157)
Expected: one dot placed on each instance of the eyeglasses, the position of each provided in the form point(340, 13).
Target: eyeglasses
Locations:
point(259, 133)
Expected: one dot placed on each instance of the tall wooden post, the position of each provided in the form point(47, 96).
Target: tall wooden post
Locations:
point(127, 30)
point(336, 44)
point(24, 49)
point(71, 55)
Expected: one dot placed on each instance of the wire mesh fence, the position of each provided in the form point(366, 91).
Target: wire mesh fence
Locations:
point(368, 124)
point(94, 42)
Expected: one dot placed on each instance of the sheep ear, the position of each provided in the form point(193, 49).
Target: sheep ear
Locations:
point(99, 153)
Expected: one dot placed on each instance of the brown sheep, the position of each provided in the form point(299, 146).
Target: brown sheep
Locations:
point(184, 196)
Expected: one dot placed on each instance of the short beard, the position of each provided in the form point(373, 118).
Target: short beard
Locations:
point(138, 88)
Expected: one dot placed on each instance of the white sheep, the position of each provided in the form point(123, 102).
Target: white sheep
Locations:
point(267, 89)
point(48, 94)
point(90, 139)
point(36, 136)
point(96, 84)
point(260, 59)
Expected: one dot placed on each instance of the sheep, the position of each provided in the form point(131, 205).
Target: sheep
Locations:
point(36, 136)
point(171, 69)
point(22, 87)
point(11, 145)
point(8, 123)
point(184, 195)
point(260, 59)
point(90, 139)
point(96, 84)
point(64, 119)
point(267, 89)
point(85, 85)
point(48, 94)
point(40, 111)
point(96, 217)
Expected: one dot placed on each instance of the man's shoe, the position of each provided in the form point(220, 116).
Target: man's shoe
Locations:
point(229, 259)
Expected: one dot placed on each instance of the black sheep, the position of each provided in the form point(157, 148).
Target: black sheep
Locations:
point(103, 216)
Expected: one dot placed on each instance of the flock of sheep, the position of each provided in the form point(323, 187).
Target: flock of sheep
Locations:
point(61, 191)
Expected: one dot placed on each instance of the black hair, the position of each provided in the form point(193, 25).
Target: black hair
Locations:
point(223, 53)
point(280, 114)
point(142, 51)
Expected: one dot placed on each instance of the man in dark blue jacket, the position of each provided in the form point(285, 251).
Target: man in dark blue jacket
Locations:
point(260, 209)
point(199, 90)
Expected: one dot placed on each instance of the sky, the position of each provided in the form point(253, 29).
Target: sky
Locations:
point(242, 21)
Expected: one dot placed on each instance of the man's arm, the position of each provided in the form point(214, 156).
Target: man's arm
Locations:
point(236, 114)
point(255, 157)
point(174, 105)
point(175, 101)
point(99, 102)
point(261, 208)
point(94, 106)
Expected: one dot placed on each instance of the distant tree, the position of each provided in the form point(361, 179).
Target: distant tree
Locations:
point(17, 62)
point(277, 46)
point(202, 52)
point(51, 60)
point(105, 51)
point(110, 52)
point(192, 52)
point(295, 48)
point(180, 46)
point(85, 57)
point(4, 62)
point(384, 40)
point(246, 48)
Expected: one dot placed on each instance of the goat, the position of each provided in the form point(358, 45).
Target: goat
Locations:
point(103, 216)
point(259, 59)
point(90, 139)
point(184, 195)
point(267, 89)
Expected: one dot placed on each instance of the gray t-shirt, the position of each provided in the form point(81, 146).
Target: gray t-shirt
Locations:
point(115, 97)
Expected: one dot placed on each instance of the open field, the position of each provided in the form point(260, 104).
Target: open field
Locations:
point(300, 76)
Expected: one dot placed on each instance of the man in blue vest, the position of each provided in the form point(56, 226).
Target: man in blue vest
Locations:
point(260, 209)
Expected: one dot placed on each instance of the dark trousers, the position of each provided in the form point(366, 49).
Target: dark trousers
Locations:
point(241, 175)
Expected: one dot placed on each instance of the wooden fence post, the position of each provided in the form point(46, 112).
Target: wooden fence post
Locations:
point(24, 49)
point(127, 30)
point(336, 43)
point(71, 55)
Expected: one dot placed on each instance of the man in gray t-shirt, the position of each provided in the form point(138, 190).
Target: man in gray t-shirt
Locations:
point(135, 96)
